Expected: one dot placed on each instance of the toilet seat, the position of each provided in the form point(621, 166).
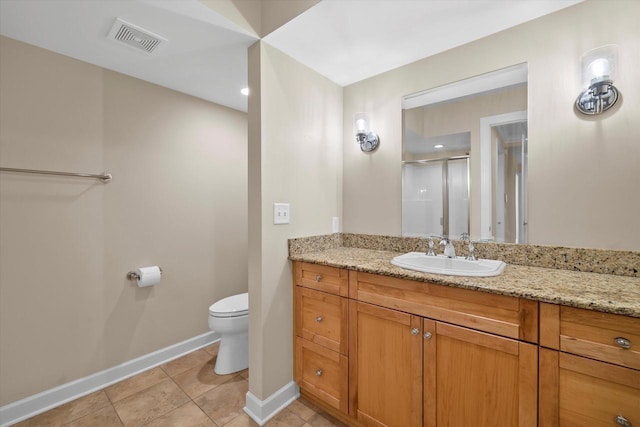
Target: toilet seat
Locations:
point(233, 306)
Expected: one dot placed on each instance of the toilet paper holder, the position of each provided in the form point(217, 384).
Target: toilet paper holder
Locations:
point(132, 275)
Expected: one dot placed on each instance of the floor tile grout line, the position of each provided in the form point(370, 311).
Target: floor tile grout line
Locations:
point(72, 420)
point(138, 391)
point(117, 414)
point(193, 399)
point(185, 370)
point(160, 416)
point(163, 413)
point(213, 388)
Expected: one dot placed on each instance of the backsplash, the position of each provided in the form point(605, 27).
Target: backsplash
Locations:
point(606, 261)
point(304, 245)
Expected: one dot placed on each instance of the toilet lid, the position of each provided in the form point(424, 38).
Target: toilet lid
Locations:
point(233, 306)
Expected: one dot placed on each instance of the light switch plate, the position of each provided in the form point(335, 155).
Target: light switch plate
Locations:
point(281, 213)
point(335, 224)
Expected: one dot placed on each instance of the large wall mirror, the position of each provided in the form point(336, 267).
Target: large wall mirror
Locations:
point(464, 159)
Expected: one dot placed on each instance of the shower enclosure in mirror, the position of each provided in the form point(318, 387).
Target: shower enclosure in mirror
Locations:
point(464, 158)
point(435, 189)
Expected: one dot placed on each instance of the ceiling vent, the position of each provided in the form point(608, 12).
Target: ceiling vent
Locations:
point(135, 37)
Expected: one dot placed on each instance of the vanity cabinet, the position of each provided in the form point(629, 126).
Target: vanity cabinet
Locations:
point(589, 368)
point(320, 327)
point(383, 351)
point(407, 370)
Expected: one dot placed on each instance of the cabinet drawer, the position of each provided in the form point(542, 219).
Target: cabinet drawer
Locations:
point(322, 318)
point(498, 314)
point(322, 278)
point(603, 336)
point(576, 391)
point(322, 373)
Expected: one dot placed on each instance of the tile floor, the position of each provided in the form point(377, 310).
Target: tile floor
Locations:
point(184, 392)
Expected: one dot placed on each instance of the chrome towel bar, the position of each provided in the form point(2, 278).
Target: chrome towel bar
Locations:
point(104, 177)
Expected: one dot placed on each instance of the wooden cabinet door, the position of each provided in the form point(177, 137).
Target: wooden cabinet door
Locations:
point(577, 392)
point(477, 379)
point(385, 366)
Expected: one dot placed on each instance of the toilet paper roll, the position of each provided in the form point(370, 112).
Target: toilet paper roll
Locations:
point(148, 276)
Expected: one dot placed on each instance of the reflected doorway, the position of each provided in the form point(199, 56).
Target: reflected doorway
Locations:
point(509, 152)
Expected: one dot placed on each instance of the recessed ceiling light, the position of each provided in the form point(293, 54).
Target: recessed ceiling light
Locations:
point(438, 146)
point(245, 91)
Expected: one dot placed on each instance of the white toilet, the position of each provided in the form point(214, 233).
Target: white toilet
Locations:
point(230, 318)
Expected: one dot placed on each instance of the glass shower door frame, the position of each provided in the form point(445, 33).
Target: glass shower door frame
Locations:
point(445, 188)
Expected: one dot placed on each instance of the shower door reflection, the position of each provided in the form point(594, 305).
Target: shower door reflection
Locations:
point(435, 197)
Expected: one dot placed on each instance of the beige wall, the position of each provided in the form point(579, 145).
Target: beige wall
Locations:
point(574, 162)
point(178, 199)
point(464, 115)
point(295, 156)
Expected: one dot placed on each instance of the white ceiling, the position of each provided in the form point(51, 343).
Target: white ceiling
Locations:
point(348, 41)
point(206, 54)
point(416, 144)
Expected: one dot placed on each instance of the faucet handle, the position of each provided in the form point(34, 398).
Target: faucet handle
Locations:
point(472, 249)
point(431, 244)
point(443, 239)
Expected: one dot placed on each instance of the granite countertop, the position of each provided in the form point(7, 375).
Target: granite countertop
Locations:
point(594, 291)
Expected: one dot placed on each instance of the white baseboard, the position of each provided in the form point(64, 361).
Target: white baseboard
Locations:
point(49, 399)
point(262, 411)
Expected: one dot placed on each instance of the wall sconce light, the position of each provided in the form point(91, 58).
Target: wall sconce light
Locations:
point(368, 140)
point(598, 72)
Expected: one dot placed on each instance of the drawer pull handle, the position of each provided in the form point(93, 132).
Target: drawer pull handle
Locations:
point(415, 331)
point(319, 373)
point(318, 277)
point(623, 343)
point(622, 421)
point(319, 319)
point(427, 335)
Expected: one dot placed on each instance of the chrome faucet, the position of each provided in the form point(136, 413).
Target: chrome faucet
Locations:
point(472, 252)
point(449, 250)
point(431, 244)
point(465, 237)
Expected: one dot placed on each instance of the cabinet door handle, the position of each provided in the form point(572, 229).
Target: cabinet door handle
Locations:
point(318, 277)
point(622, 421)
point(319, 319)
point(427, 335)
point(623, 342)
point(319, 373)
point(415, 331)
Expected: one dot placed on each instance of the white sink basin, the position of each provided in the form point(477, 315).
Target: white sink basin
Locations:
point(440, 264)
